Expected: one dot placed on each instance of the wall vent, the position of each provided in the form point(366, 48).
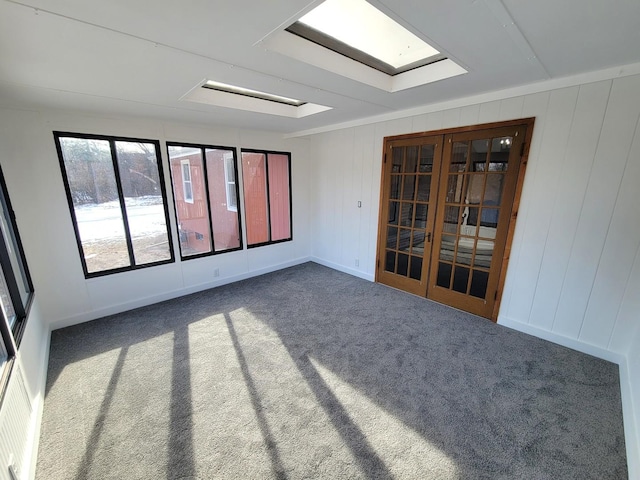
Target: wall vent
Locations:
point(15, 424)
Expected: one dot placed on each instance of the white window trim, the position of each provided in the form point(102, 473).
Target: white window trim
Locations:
point(185, 181)
point(229, 172)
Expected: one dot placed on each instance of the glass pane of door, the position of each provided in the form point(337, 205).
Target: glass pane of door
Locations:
point(410, 181)
point(446, 213)
point(479, 168)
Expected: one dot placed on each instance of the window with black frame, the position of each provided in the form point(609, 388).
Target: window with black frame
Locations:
point(266, 179)
point(205, 196)
point(116, 194)
point(16, 289)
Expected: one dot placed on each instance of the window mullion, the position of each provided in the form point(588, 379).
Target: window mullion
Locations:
point(266, 179)
point(205, 179)
point(10, 279)
point(9, 342)
point(123, 206)
point(5, 260)
point(239, 197)
point(290, 197)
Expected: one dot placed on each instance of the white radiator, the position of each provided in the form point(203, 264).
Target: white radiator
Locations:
point(15, 423)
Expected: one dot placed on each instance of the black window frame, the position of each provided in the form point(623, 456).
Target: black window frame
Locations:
point(112, 140)
point(11, 336)
point(203, 148)
point(266, 162)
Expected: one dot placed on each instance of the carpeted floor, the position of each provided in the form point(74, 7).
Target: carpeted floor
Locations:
point(310, 373)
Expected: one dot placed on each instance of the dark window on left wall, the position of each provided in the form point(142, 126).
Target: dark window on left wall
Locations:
point(118, 203)
point(16, 289)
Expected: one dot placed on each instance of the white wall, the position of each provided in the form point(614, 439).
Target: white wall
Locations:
point(574, 273)
point(22, 405)
point(35, 185)
point(63, 295)
point(633, 374)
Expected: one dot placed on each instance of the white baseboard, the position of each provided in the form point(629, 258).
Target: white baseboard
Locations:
point(143, 302)
point(631, 433)
point(562, 340)
point(342, 268)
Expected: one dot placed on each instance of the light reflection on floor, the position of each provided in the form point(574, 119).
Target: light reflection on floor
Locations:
point(405, 452)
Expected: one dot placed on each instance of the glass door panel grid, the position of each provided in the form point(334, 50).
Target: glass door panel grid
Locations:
point(408, 209)
point(476, 180)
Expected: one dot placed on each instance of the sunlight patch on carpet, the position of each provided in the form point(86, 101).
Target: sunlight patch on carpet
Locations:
point(404, 451)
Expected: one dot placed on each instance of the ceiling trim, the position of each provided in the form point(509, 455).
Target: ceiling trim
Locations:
point(537, 87)
point(220, 98)
point(301, 49)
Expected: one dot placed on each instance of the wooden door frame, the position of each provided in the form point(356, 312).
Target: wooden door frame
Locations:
point(410, 285)
point(528, 124)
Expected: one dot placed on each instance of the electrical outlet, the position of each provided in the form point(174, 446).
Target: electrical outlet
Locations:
point(357, 262)
point(216, 272)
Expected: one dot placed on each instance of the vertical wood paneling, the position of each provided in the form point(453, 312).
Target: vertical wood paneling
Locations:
point(489, 112)
point(355, 196)
point(469, 115)
point(533, 106)
point(558, 213)
point(419, 123)
point(611, 156)
point(627, 326)
point(575, 260)
point(545, 179)
point(350, 187)
point(573, 174)
point(327, 199)
point(363, 147)
point(451, 118)
point(338, 183)
point(399, 126)
point(511, 108)
point(434, 122)
point(326, 180)
point(614, 268)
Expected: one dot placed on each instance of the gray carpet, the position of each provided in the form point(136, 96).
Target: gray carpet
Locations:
point(310, 373)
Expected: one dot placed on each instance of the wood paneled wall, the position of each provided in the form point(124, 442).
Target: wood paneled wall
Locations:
point(574, 272)
point(574, 266)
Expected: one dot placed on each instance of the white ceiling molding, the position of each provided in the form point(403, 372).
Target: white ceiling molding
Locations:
point(544, 86)
point(219, 98)
point(305, 51)
point(116, 58)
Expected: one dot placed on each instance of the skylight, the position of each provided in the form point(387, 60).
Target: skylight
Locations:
point(223, 87)
point(225, 95)
point(358, 30)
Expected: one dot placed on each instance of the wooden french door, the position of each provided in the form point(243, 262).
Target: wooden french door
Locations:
point(411, 177)
point(446, 213)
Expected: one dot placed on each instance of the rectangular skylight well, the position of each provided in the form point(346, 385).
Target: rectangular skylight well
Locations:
point(223, 87)
point(225, 95)
point(358, 30)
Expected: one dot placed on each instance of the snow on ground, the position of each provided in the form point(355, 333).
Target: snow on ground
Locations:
point(99, 222)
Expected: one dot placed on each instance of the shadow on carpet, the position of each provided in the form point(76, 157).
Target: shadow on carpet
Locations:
point(311, 373)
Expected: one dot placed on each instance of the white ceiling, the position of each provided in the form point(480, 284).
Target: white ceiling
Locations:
point(139, 57)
